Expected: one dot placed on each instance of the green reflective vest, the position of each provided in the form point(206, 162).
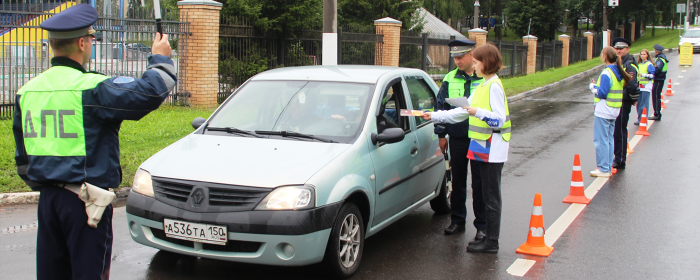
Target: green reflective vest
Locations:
point(481, 98)
point(52, 111)
point(665, 68)
point(456, 85)
point(614, 98)
point(643, 70)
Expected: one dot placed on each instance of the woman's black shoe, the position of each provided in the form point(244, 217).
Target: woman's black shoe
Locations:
point(486, 246)
point(454, 229)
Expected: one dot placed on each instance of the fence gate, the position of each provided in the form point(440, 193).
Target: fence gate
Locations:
point(121, 46)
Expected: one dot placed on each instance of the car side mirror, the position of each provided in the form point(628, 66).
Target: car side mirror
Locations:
point(389, 135)
point(196, 123)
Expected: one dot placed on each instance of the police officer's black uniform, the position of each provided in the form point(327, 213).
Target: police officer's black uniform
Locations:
point(630, 95)
point(459, 145)
point(87, 109)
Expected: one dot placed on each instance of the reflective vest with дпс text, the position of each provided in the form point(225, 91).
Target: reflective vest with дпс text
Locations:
point(456, 85)
point(643, 70)
point(481, 98)
point(614, 98)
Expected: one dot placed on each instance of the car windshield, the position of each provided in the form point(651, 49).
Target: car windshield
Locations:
point(692, 34)
point(326, 110)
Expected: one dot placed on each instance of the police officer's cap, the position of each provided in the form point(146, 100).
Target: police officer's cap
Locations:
point(621, 43)
point(73, 22)
point(659, 47)
point(460, 47)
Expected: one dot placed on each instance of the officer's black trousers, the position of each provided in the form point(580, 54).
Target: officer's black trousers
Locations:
point(67, 248)
point(460, 168)
point(656, 97)
point(620, 133)
point(486, 177)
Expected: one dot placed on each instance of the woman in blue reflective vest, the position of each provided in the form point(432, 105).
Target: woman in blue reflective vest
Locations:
point(608, 101)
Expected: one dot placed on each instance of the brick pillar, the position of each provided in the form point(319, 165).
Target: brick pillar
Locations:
point(609, 38)
point(478, 35)
point(565, 40)
point(391, 29)
point(589, 51)
point(531, 42)
point(634, 33)
point(622, 31)
point(201, 64)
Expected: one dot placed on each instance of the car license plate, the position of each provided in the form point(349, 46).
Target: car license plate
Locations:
point(195, 232)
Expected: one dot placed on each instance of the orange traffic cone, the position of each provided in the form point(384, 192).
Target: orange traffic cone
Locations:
point(669, 92)
point(629, 151)
point(643, 125)
point(535, 238)
point(663, 104)
point(576, 192)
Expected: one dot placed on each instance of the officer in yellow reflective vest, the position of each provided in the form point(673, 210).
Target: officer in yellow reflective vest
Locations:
point(460, 82)
point(630, 95)
point(661, 62)
point(66, 129)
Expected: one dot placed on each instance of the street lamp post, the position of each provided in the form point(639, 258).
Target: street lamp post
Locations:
point(476, 13)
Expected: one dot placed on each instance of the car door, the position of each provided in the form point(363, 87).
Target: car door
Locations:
point(394, 163)
point(429, 157)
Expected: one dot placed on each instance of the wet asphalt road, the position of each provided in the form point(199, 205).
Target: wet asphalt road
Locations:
point(643, 224)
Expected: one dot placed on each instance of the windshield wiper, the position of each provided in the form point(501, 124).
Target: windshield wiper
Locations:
point(234, 130)
point(294, 134)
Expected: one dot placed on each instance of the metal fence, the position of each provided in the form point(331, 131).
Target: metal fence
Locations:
point(121, 47)
point(244, 50)
point(578, 48)
point(549, 55)
point(426, 51)
point(514, 55)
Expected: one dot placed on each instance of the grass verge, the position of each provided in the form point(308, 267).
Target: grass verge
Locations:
point(138, 141)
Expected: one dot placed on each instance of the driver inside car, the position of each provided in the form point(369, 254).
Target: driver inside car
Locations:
point(335, 108)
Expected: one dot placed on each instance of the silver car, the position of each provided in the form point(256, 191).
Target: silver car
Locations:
point(298, 166)
point(691, 36)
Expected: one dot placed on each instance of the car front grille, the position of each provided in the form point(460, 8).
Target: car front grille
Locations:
point(172, 190)
point(235, 197)
point(236, 246)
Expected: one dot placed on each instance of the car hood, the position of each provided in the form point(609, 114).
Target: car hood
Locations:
point(244, 161)
point(689, 40)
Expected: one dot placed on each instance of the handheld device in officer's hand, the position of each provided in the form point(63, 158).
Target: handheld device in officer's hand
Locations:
point(156, 11)
point(592, 81)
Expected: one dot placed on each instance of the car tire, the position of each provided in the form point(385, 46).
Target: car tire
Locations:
point(441, 203)
point(344, 250)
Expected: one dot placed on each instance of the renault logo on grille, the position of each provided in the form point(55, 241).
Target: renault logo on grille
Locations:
point(197, 197)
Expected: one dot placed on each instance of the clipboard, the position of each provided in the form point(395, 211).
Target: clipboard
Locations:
point(458, 102)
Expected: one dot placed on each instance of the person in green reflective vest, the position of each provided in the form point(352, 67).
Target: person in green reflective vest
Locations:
point(66, 127)
point(646, 84)
point(661, 63)
point(460, 82)
point(630, 95)
point(489, 131)
point(608, 101)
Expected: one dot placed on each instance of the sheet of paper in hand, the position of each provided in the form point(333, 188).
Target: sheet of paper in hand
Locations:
point(458, 102)
point(411, 113)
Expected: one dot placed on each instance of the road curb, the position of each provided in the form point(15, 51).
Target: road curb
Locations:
point(11, 199)
point(548, 87)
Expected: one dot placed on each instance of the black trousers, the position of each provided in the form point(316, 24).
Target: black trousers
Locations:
point(656, 97)
point(620, 133)
point(460, 168)
point(486, 176)
point(67, 248)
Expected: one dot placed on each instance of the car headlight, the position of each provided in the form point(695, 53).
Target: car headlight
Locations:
point(143, 183)
point(289, 198)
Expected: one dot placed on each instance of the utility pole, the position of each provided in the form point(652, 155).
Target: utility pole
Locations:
point(330, 32)
point(687, 14)
point(476, 13)
point(605, 15)
point(499, 13)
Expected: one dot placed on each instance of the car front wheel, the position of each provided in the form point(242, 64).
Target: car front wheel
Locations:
point(441, 203)
point(344, 250)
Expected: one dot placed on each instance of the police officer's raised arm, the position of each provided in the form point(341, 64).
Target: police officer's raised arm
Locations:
point(126, 98)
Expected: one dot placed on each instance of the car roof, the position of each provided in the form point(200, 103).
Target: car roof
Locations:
point(340, 73)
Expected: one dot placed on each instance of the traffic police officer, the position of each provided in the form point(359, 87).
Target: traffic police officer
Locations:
point(630, 95)
point(460, 82)
point(659, 80)
point(66, 129)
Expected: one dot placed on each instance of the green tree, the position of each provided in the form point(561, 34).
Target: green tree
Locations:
point(544, 14)
point(277, 15)
point(365, 12)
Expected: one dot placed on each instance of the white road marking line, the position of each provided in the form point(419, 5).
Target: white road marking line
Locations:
point(676, 84)
point(520, 267)
point(554, 231)
point(680, 77)
point(684, 71)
